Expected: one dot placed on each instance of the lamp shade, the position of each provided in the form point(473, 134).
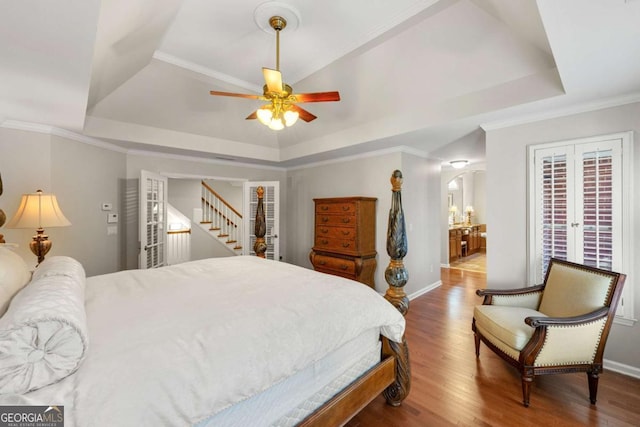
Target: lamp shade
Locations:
point(38, 210)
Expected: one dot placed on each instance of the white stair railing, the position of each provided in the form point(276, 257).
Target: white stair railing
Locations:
point(224, 220)
point(178, 236)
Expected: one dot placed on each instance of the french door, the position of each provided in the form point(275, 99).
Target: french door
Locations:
point(271, 203)
point(152, 223)
point(579, 212)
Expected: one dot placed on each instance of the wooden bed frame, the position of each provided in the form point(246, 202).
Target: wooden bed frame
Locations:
point(392, 376)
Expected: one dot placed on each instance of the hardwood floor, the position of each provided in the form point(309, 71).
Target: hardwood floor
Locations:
point(475, 262)
point(451, 387)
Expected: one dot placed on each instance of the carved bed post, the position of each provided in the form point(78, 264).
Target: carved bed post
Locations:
point(396, 276)
point(3, 217)
point(260, 246)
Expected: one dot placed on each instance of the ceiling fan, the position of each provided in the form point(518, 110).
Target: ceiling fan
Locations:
point(281, 110)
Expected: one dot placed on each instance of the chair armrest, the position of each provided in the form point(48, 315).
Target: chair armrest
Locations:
point(560, 341)
point(567, 321)
point(522, 297)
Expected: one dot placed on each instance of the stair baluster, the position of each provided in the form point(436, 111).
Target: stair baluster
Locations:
point(224, 221)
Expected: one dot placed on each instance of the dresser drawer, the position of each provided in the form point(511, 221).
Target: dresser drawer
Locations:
point(336, 232)
point(344, 266)
point(336, 220)
point(335, 245)
point(347, 208)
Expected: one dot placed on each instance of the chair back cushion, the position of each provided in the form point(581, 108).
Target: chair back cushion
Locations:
point(573, 290)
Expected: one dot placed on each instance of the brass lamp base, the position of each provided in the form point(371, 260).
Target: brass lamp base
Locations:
point(40, 245)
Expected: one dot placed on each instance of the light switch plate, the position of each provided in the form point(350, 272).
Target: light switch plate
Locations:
point(112, 218)
point(107, 206)
point(112, 230)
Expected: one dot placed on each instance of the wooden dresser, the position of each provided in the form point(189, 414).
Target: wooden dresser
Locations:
point(345, 238)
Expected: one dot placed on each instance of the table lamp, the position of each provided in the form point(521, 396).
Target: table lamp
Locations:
point(38, 210)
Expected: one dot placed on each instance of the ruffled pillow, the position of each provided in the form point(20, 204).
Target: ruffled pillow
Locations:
point(43, 335)
point(14, 275)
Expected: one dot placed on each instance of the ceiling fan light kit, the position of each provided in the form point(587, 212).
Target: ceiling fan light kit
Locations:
point(281, 110)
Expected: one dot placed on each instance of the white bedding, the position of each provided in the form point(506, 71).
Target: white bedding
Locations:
point(176, 345)
point(289, 401)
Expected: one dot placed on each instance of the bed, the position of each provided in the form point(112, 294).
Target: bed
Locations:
point(221, 342)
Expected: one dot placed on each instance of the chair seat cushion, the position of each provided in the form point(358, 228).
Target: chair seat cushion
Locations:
point(506, 324)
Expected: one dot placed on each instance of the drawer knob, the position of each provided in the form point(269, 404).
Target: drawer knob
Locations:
point(346, 220)
point(324, 208)
point(324, 230)
point(345, 245)
point(325, 241)
point(325, 219)
point(321, 262)
point(344, 266)
point(346, 208)
point(345, 233)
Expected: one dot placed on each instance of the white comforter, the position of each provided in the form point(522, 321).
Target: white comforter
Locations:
point(175, 345)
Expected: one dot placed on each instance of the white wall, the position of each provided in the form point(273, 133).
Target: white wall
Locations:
point(506, 182)
point(370, 177)
point(480, 197)
point(82, 177)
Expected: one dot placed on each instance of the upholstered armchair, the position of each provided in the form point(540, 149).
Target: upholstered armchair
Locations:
point(560, 326)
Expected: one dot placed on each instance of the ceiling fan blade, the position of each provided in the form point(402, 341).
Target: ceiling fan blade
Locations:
point(317, 97)
point(273, 78)
point(303, 114)
point(252, 116)
point(236, 95)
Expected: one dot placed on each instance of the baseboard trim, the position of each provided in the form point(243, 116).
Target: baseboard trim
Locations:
point(424, 290)
point(621, 368)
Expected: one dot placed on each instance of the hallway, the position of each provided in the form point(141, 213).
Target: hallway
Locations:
point(476, 262)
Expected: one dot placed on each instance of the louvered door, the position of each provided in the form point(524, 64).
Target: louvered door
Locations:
point(153, 217)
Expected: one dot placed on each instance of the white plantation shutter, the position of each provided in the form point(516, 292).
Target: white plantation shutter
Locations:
point(153, 211)
point(578, 210)
point(551, 194)
point(600, 205)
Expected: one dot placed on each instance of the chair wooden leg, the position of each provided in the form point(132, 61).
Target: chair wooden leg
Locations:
point(593, 385)
point(526, 389)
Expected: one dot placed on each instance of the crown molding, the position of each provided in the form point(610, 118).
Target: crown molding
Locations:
point(184, 157)
point(63, 133)
point(563, 112)
point(196, 68)
point(51, 130)
point(400, 149)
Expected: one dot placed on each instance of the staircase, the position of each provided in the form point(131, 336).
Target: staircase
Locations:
point(220, 219)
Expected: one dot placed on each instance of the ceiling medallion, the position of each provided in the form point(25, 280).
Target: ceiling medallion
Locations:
point(263, 13)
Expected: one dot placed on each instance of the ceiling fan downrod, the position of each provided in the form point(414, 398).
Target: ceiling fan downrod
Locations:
point(278, 23)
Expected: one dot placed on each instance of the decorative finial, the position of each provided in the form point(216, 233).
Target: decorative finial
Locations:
point(396, 181)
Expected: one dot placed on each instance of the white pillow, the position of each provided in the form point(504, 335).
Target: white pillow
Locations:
point(43, 334)
point(60, 266)
point(14, 275)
